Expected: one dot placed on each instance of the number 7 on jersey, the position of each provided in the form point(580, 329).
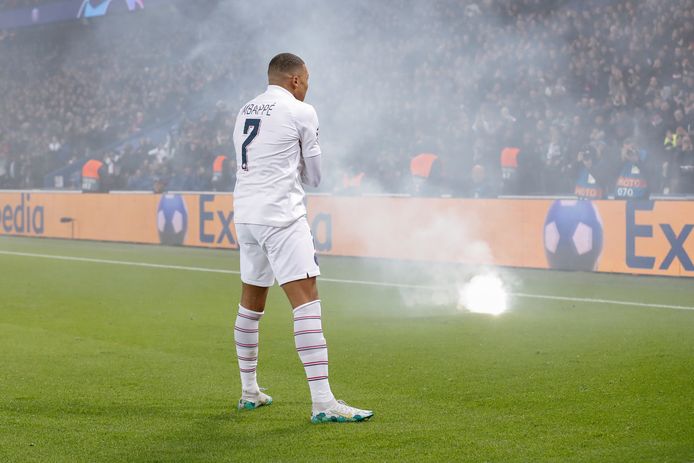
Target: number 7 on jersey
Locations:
point(254, 125)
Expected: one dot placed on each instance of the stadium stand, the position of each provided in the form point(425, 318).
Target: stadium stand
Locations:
point(13, 4)
point(542, 78)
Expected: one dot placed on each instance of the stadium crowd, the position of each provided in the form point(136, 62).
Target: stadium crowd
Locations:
point(13, 4)
point(522, 97)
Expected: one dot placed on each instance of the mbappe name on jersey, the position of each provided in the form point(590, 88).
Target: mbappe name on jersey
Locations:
point(257, 109)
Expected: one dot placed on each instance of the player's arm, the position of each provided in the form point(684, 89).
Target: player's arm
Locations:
point(310, 171)
point(310, 166)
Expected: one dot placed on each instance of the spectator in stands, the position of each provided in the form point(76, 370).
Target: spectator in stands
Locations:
point(480, 186)
point(591, 182)
point(635, 179)
point(554, 173)
point(510, 176)
point(684, 163)
point(426, 172)
point(223, 173)
point(618, 92)
point(138, 180)
point(94, 176)
point(351, 184)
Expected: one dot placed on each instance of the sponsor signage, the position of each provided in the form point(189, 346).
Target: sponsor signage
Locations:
point(640, 237)
point(18, 217)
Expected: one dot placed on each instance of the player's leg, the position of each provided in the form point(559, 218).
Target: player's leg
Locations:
point(256, 277)
point(292, 255)
point(308, 338)
point(302, 291)
point(254, 297)
point(313, 352)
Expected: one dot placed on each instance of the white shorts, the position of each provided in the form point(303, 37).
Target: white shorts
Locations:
point(285, 253)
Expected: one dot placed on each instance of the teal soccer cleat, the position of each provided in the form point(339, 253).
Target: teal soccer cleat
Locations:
point(251, 403)
point(340, 412)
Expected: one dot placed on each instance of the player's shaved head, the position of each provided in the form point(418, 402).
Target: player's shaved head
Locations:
point(289, 71)
point(284, 64)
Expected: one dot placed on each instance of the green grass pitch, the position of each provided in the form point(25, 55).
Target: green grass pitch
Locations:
point(104, 362)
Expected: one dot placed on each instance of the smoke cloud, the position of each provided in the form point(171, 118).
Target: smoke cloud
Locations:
point(391, 79)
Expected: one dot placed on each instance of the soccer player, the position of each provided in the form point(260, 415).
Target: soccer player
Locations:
point(276, 141)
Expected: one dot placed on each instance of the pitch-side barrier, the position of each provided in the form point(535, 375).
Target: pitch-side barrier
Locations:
point(638, 237)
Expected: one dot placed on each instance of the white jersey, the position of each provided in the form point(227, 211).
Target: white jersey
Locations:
point(272, 133)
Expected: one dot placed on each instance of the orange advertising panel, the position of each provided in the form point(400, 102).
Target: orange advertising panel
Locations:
point(432, 229)
point(211, 220)
point(192, 219)
point(647, 237)
point(88, 217)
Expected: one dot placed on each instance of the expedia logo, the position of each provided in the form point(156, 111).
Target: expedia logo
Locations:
point(22, 217)
point(676, 240)
point(322, 231)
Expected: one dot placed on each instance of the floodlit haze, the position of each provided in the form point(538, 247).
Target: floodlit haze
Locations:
point(389, 80)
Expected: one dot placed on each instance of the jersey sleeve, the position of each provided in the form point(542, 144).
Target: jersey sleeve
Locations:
point(307, 125)
point(310, 171)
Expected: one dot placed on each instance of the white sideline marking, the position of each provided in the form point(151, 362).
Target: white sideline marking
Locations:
point(336, 280)
point(601, 301)
point(119, 262)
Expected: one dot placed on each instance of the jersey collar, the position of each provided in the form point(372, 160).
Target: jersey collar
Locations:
point(278, 89)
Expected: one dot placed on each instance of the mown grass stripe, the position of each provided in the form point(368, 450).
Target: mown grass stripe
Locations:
point(384, 284)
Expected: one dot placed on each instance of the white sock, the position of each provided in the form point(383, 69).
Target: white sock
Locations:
point(313, 352)
point(246, 339)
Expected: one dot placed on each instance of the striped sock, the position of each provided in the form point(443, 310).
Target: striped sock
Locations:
point(313, 351)
point(246, 339)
